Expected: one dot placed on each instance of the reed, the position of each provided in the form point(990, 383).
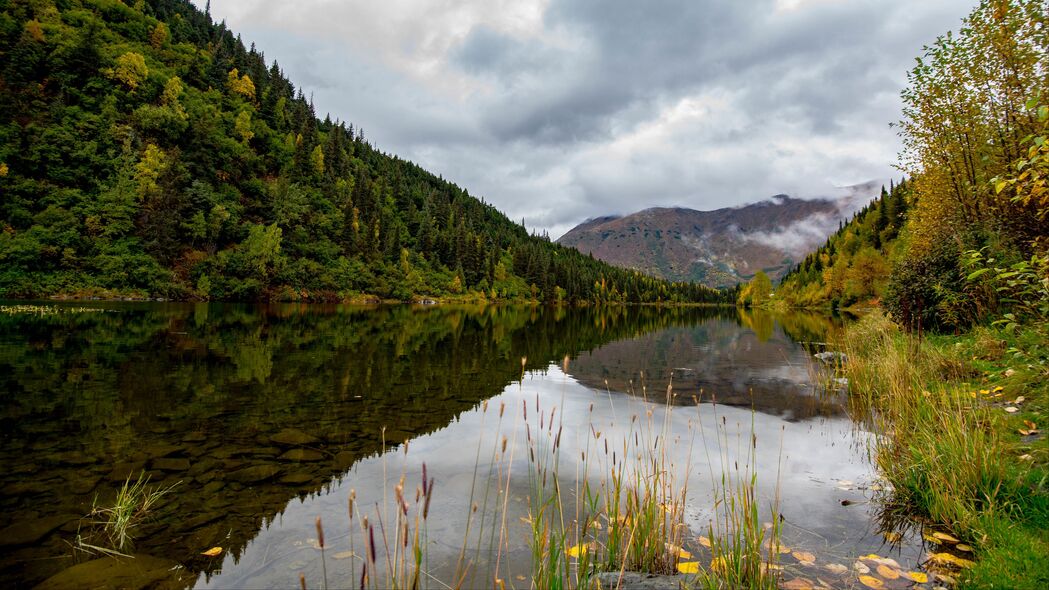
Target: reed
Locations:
point(744, 550)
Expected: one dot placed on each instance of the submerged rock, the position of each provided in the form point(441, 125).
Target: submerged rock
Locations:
point(254, 474)
point(294, 437)
point(32, 530)
point(301, 455)
point(140, 571)
point(169, 464)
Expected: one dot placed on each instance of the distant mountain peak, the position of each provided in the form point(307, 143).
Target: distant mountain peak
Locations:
point(720, 247)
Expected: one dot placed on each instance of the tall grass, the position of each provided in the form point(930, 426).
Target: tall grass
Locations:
point(745, 551)
point(624, 512)
point(936, 444)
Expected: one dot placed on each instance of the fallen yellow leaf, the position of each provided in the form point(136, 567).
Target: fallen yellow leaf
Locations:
point(797, 584)
point(892, 537)
point(1030, 425)
point(861, 567)
point(920, 577)
point(963, 547)
point(871, 556)
point(576, 551)
point(887, 572)
point(998, 388)
point(681, 553)
point(704, 541)
point(945, 537)
point(871, 582)
point(985, 391)
point(836, 568)
point(212, 552)
point(952, 559)
point(947, 579)
point(804, 557)
point(688, 567)
point(1012, 409)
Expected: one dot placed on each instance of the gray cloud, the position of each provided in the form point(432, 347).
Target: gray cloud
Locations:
point(559, 110)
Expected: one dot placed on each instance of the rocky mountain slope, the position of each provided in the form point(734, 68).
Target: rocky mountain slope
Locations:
point(721, 247)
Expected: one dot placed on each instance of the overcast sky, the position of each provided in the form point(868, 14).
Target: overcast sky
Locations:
point(560, 110)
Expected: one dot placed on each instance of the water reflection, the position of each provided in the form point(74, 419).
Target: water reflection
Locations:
point(268, 414)
point(762, 367)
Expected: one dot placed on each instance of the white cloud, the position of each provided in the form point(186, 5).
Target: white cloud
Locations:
point(560, 110)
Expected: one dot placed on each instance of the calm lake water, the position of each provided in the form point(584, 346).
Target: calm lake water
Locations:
point(266, 417)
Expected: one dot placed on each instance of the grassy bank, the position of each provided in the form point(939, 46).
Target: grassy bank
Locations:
point(963, 443)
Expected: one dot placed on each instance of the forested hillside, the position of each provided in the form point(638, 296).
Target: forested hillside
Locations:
point(145, 151)
point(966, 238)
point(853, 265)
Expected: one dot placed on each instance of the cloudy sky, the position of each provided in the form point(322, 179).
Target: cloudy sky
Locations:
point(560, 110)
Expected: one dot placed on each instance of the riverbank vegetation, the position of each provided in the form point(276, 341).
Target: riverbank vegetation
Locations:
point(955, 372)
point(145, 151)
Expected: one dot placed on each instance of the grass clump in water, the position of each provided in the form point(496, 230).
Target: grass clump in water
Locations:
point(117, 522)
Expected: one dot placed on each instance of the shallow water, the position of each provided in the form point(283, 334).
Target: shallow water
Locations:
point(267, 416)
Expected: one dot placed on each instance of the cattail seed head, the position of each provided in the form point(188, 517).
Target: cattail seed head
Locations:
point(426, 505)
point(302, 581)
point(320, 532)
point(502, 408)
point(371, 543)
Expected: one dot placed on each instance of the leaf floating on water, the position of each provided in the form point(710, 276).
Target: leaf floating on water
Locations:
point(836, 568)
point(871, 556)
point(214, 551)
point(871, 582)
point(704, 541)
point(952, 559)
point(343, 555)
point(688, 567)
point(681, 553)
point(861, 567)
point(920, 577)
point(804, 557)
point(945, 537)
point(797, 584)
point(887, 572)
point(576, 551)
point(947, 579)
point(892, 536)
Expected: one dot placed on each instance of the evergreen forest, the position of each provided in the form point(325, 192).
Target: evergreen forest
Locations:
point(145, 151)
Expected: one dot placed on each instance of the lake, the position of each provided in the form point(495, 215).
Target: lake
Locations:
point(259, 419)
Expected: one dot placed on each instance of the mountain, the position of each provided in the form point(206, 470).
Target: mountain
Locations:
point(853, 266)
point(719, 248)
point(145, 151)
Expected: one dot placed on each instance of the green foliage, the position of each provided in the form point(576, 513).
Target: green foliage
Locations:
point(145, 150)
point(854, 265)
